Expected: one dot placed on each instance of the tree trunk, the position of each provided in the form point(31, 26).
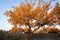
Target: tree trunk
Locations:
point(28, 34)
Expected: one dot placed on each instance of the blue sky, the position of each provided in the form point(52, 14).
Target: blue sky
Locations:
point(7, 5)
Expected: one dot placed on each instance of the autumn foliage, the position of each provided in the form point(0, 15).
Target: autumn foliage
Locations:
point(27, 12)
point(15, 29)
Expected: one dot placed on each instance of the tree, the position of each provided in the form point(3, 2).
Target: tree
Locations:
point(58, 13)
point(55, 13)
point(27, 12)
point(15, 29)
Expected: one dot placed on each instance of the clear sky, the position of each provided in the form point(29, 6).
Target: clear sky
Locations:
point(7, 5)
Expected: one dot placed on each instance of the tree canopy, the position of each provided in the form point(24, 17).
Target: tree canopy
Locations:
point(33, 14)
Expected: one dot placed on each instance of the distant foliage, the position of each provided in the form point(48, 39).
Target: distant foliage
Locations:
point(15, 29)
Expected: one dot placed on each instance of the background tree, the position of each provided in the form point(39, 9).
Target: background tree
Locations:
point(55, 13)
point(16, 29)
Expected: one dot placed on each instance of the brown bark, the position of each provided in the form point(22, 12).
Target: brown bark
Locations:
point(28, 35)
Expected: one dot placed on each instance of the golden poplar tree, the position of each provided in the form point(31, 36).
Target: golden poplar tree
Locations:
point(31, 10)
